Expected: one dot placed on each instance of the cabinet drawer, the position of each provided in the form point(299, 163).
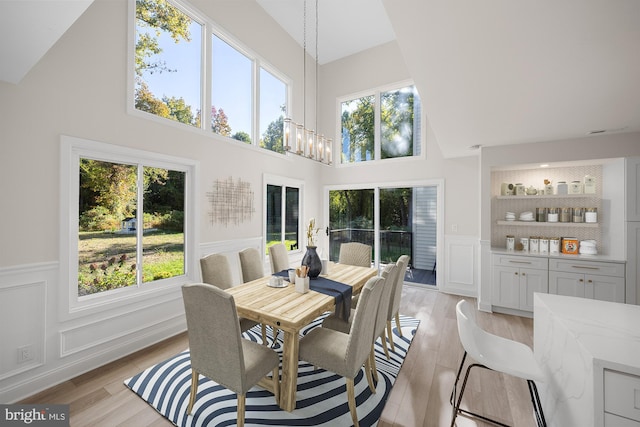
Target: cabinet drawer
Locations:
point(521, 262)
point(587, 267)
point(616, 421)
point(622, 394)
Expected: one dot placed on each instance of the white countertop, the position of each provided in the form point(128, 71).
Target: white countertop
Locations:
point(609, 331)
point(607, 258)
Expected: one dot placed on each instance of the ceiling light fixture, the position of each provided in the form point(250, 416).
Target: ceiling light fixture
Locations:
point(306, 142)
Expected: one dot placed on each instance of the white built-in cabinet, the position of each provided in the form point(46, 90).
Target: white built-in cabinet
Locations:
point(632, 232)
point(632, 172)
point(587, 279)
point(516, 278)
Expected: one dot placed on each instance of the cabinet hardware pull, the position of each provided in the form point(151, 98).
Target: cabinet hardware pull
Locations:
point(589, 281)
point(581, 280)
point(585, 267)
point(520, 262)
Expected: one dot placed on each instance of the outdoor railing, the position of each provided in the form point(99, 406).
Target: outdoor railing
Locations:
point(393, 243)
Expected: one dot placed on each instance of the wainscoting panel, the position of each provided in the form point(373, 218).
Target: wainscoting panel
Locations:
point(22, 304)
point(461, 265)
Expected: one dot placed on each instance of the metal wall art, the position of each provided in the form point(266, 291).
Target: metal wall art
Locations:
point(230, 202)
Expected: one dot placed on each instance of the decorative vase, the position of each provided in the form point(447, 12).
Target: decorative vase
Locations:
point(312, 260)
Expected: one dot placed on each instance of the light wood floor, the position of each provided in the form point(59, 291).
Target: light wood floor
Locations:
point(420, 396)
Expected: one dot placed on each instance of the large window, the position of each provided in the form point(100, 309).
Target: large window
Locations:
point(170, 63)
point(382, 125)
point(282, 212)
point(128, 212)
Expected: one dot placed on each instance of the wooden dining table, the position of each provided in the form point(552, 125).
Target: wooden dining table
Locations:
point(290, 311)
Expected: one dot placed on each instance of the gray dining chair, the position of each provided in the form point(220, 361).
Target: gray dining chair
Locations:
point(334, 322)
point(343, 353)
point(278, 258)
point(394, 307)
point(251, 264)
point(354, 253)
point(216, 271)
point(252, 269)
point(221, 353)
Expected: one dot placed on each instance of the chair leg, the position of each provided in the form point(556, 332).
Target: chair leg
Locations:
point(241, 409)
point(537, 406)
point(276, 331)
point(367, 372)
point(398, 324)
point(351, 397)
point(264, 334)
point(194, 390)
point(276, 383)
point(383, 337)
point(456, 404)
point(372, 362)
point(390, 334)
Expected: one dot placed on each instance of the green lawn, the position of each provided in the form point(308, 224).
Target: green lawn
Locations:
point(107, 260)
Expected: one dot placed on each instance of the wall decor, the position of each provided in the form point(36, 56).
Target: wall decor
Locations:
point(230, 202)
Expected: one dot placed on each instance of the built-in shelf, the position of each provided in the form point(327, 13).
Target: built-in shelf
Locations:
point(548, 224)
point(550, 196)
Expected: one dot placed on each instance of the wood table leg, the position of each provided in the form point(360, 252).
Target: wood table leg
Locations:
point(289, 381)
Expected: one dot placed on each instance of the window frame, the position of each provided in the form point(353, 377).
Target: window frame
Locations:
point(72, 149)
point(277, 180)
point(210, 28)
point(376, 92)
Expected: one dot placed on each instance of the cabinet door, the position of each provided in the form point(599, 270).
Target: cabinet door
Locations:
point(632, 166)
point(506, 287)
point(569, 284)
point(532, 281)
point(604, 288)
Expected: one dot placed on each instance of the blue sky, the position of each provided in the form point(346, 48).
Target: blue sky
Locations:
point(231, 85)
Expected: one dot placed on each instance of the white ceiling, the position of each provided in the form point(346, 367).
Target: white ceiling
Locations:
point(489, 73)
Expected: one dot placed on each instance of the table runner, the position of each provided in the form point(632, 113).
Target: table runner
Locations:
point(341, 292)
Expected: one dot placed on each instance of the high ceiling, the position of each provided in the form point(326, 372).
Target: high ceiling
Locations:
point(489, 73)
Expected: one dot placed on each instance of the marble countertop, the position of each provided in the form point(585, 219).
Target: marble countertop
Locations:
point(504, 251)
point(609, 331)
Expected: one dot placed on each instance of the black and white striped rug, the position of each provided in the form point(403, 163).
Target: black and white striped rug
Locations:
point(321, 395)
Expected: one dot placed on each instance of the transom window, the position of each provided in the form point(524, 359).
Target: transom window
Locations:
point(381, 125)
point(170, 63)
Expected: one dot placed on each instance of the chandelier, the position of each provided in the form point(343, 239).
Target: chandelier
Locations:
point(296, 137)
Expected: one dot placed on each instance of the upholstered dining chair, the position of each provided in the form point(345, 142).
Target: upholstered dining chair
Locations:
point(494, 353)
point(252, 269)
point(354, 253)
point(343, 353)
point(394, 307)
point(216, 271)
point(221, 353)
point(278, 258)
point(251, 264)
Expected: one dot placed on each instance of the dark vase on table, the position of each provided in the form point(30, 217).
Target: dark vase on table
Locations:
point(312, 260)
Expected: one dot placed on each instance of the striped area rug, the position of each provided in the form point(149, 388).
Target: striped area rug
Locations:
point(321, 395)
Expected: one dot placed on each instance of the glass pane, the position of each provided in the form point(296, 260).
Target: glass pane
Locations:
point(231, 92)
point(351, 217)
point(168, 58)
point(274, 214)
point(358, 127)
point(163, 228)
point(292, 215)
point(397, 123)
point(107, 226)
point(395, 223)
point(273, 108)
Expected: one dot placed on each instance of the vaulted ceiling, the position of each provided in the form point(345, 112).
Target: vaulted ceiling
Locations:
point(489, 73)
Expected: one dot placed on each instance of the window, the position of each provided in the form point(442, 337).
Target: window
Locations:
point(282, 212)
point(382, 125)
point(168, 54)
point(170, 63)
point(126, 229)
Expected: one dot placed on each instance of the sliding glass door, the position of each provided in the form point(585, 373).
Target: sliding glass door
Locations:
point(351, 219)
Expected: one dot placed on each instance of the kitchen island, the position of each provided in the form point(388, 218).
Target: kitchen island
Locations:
point(589, 351)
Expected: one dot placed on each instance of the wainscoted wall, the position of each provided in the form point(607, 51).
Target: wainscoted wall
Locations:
point(57, 350)
point(461, 268)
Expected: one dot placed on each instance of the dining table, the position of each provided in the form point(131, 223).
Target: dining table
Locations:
point(286, 309)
